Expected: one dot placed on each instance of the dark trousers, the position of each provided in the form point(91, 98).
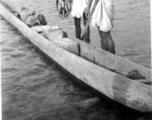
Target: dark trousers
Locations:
point(77, 22)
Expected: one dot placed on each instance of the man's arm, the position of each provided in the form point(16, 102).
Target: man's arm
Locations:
point(89, 4)
point(89, 19)
point(87, 9)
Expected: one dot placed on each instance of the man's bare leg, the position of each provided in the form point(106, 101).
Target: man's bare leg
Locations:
point(107, 42)
point(77, 22)
point(87, 36)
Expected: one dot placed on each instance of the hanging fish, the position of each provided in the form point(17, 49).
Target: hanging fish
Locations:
point(64, 8)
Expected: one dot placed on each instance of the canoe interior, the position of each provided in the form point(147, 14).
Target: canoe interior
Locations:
point(111, 62)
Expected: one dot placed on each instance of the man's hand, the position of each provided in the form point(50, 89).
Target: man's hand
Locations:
point(87, 12)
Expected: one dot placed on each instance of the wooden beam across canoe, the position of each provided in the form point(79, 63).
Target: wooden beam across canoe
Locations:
point(117, 87)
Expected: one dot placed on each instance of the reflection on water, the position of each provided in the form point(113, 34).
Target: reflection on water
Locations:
point(33, 86)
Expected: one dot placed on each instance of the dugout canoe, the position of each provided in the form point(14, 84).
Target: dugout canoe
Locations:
point(93, 67)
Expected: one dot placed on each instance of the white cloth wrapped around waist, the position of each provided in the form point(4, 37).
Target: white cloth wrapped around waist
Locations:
point(103, 15)
point(78, 7)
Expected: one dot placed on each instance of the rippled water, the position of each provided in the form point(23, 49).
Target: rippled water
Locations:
point(33, 86)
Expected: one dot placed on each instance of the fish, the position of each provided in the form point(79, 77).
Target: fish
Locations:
point(64, 8)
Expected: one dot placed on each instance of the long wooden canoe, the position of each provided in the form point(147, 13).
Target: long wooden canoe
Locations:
point(93, 67)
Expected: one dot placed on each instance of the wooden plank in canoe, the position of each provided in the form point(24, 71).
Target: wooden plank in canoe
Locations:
point(119, 88)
